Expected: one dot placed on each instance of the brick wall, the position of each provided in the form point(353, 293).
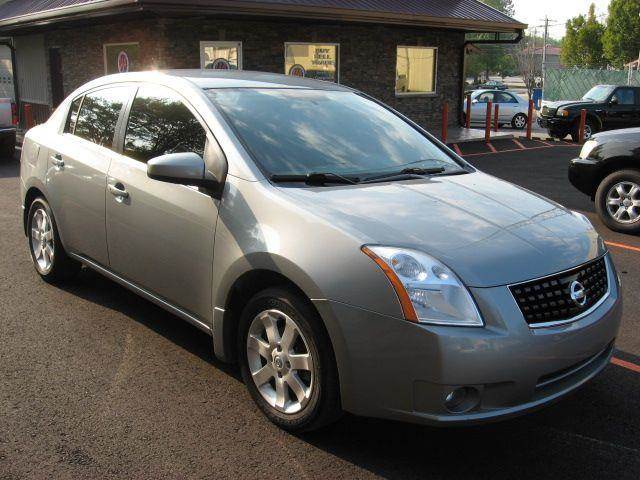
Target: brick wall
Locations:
point(367, 53)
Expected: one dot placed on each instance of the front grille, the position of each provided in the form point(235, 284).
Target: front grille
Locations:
point(549, 300)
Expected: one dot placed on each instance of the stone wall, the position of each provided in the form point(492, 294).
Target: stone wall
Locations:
point(367, 53)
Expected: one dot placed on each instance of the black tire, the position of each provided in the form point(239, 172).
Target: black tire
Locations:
point(630, 176)
point(323, 406)
point(8, 148)
point(589, 130)
point(62, 268)
point(521, 119)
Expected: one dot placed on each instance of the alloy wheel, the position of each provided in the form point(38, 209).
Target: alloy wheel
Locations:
point(519, 121)
point(623, 202)
point(280, 361)
point(42, 244)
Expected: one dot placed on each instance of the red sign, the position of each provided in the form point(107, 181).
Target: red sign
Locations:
point(123, 62)
point(297, 71)
point(220, 64)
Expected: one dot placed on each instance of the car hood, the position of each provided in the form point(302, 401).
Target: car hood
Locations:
point(568, 103)
point(488, 231)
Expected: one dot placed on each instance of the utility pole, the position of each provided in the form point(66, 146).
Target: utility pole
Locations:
point(544, 50)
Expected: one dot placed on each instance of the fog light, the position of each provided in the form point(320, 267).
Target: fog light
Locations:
point(462, 399)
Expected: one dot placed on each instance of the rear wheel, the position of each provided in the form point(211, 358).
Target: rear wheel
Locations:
point(519, 121)
point(49, 257)
point(618, 201)
point(287, 362)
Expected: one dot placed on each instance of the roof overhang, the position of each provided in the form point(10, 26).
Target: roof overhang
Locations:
point(249, 8)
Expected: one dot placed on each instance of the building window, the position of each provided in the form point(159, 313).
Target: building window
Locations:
point(221, 55)
point(416, 70)
point(121, 57)
point(312, 60)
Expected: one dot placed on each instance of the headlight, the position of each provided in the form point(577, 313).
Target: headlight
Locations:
point(587, 148)
point(562, 113)
point(429, 292)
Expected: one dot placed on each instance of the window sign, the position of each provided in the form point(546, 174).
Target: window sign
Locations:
point(121, 57)
point(416, 70)
point(312, 60)
point(221, 55)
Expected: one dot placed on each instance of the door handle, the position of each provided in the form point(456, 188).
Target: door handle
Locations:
point(57, 160)
point(118, 191)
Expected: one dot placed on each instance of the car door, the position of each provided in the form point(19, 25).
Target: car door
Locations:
point(79, 159)
point(621, 109)
point(509, 106)
point(479, 107)
point(160, 235)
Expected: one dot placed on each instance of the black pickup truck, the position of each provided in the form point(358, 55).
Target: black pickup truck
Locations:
point(608, 107)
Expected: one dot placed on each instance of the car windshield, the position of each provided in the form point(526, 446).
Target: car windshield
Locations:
point(299, 132)
point(598, 94)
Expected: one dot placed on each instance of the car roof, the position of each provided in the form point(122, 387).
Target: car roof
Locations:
point(212, 79)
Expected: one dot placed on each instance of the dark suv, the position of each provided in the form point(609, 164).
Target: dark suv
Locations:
point(608, 107)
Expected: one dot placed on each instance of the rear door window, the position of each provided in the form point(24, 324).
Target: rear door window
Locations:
point(99, 115)
point(502, 97)
point(159, 124)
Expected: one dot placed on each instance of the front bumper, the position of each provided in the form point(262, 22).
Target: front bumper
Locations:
point(391, 368)
point(555, 125)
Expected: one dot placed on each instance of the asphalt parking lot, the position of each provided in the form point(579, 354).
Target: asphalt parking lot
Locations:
point(98, 383)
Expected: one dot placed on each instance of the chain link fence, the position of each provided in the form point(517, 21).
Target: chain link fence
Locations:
point(573, 83)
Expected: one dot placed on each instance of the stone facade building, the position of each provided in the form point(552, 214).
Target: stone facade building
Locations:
point(408, 54)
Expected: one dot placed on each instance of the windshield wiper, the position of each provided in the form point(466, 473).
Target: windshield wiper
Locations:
point(315, 178)
point(407, 173)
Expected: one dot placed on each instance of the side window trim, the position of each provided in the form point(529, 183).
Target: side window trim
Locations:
point(66, 120)
point(123, 121)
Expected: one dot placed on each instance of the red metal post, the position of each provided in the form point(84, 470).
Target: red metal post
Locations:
point(583, 122)
point(28, 116)
point(530, 119)
point(468, 112)
point(496, 117)
point(487, 128)
point(445, 121)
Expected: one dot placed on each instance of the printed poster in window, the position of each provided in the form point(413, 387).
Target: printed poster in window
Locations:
point(121, 58)
point(317, 61)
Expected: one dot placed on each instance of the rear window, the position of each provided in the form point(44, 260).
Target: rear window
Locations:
point(99, 115)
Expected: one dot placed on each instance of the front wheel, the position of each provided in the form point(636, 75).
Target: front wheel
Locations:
point(589, 131)
point(618, 201)
point(287, 362)
point(49, 257)
point(519, 121)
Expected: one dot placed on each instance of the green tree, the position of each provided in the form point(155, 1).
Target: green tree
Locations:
point(504, 6)
point(621, 38)
point(582, 44)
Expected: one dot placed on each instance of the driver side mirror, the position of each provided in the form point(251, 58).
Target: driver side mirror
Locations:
point(180, 168)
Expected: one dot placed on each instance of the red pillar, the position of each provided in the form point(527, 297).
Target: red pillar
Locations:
point(487, 128)
point(530, 119)
point(583, 122)
point(28, 116)
point(445, 121)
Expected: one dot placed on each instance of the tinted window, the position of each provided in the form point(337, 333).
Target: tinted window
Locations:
point(159, 124)
point(99, 115)
point(73, 115)
point(502, 97)
point(292, 131)
point(625, 96)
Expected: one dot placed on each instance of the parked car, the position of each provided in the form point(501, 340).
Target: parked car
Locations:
point(343, 256)
point(608, 107)
point(491, 85)
point(8, 123)
point(513, 108)
point(608, 170)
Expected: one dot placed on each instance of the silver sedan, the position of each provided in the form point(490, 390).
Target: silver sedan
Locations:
point(341, 255)
point(513, 109)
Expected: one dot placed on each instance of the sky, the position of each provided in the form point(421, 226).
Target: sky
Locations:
point(532, 12)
